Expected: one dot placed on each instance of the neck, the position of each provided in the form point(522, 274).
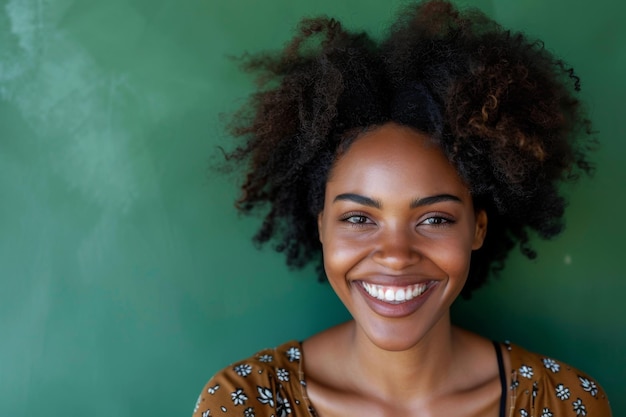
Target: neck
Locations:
point(421, 371)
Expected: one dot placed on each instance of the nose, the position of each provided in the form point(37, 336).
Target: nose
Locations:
point(396, 249)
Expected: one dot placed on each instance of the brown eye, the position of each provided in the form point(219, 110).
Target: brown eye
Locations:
point(357, 219)
point(437, 221)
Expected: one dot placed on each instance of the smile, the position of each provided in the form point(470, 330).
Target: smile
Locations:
point(395, 295)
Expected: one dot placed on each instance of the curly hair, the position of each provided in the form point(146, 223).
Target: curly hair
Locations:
point(500, 106)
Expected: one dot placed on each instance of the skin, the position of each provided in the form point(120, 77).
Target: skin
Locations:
point(397, 214)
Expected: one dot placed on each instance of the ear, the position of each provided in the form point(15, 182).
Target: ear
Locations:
point(320, 219)
point(480, 229)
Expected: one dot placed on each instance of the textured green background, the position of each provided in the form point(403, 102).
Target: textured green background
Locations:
point(126, 277)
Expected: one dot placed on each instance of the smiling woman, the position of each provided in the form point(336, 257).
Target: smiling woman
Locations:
point(408, 169)
point(415, 231)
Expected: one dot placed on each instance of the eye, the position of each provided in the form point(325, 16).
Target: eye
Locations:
point(356, 219)
point(437, 221)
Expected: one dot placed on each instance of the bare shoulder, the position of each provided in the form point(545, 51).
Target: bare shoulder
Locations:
point(324, 354)
point(329, 385)
point(478, 356)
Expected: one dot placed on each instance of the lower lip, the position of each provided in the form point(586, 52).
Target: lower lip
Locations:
point(386, 309)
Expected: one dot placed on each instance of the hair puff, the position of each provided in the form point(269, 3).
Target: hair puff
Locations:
point(501, 107)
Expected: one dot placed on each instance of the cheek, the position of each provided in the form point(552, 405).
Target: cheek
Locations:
point(451, 255)
point(342, 254)
point(337, 257)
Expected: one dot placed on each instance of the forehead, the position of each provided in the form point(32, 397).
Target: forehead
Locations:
point(398, 158)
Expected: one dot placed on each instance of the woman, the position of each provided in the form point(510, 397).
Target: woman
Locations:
point(408, 168)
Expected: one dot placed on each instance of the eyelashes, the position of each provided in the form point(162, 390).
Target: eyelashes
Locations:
point(438, 221)
point(435, 220)
point(356, 219)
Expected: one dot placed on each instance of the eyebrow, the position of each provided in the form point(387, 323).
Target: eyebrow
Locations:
point(420, 202)
point(426, 201)
point(359, 199)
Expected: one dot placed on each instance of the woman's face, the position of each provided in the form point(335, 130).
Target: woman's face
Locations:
point(397, 230)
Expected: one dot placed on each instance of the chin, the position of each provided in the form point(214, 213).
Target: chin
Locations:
point(394, 337)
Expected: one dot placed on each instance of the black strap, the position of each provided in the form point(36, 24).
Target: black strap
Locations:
point(502, 377)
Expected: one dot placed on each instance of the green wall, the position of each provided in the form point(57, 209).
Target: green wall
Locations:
point(126, 277)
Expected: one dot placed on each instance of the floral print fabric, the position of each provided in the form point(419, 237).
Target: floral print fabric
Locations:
point(544, 387)
point(272, 384)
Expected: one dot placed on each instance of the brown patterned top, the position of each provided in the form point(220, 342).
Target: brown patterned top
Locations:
point(272, 384)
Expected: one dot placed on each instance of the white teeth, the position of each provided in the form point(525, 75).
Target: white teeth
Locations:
point(395, 295)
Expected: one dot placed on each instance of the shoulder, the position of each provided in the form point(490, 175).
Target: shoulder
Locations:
point(267, 383)
point(546, 387)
